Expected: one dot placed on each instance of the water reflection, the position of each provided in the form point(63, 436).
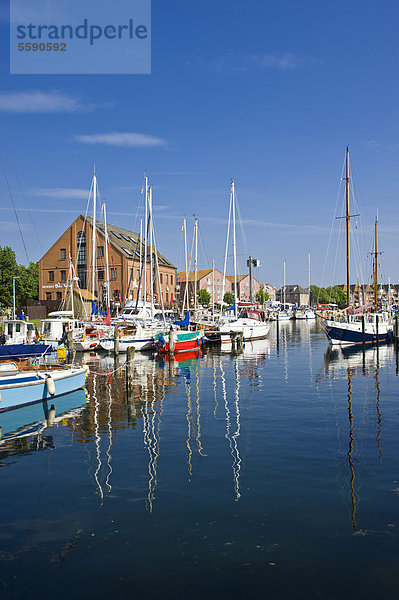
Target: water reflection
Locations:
point(25, 430)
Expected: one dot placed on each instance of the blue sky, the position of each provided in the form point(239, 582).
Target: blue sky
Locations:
point(267, 93)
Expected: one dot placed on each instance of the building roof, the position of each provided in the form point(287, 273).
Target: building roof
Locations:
point(127, 242)
point(294, 289)
point(239, 278)
point(181, 275)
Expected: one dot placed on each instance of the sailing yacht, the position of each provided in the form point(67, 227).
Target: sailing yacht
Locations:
point(250, 321)
point(355, 325)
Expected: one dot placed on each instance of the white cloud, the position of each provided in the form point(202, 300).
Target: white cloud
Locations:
point(279, 61)
point(133, 140)
point(37, 101)
point(61, 193)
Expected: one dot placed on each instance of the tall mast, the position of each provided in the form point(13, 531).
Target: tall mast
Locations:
point(141, 256)
point(195, 267)
point(234, 248)
point(94, 238)
point(347, 218)
point(375, 264)
point(284, 284)
point(151, 252)
point(145, 240)
point(107, 298)
point(213, 289)
point(186, 264)
point(309, 276)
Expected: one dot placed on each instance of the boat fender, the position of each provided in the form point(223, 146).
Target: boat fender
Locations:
point(50, 384)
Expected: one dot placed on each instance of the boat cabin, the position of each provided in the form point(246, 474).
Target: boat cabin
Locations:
point(52, 329)
point(19, 332)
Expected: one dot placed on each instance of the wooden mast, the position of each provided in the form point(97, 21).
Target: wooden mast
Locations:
point(375, 264)
point(347, 218)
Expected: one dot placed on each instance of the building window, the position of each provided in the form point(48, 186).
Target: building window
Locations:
point(59, 295)
point(113, 274)
point(166, 278)
point(167, 297)
point(51, 275)
point(81, 273)
point(171, 280)
point(63, 275)
point(81, 242)
point(100, 252)
point(101, 274)
point(48, 295)
point(160, 278)
point(63, 254)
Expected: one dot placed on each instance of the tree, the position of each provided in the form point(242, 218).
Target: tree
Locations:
point(28, 288)
point(262, 296)
point(203, 297)
point(337, 295)
point(228, 298)
point(8, 270)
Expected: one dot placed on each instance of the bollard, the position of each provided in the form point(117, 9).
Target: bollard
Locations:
point(116, 342)
point(363, 332)
point(129, 373)
point(172, 339)
point(69, 342)
point(240, 341)
point(376, 329)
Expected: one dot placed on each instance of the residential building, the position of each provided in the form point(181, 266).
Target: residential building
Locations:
point(75, 247)
point(294, 294)
point(243, 286)
point(207, 279)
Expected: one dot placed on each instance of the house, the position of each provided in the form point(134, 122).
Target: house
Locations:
point(71, 259)
point(243, 289)
point(294, 294)
point(207, 279)
point(270, 289)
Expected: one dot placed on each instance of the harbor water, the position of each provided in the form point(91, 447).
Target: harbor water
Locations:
point(271, 473)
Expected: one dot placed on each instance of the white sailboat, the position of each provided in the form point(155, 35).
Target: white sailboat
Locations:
point(249, 321)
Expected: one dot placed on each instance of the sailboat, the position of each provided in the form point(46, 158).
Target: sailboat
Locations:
point(305, 313)
point(249, 321)
point(355, 325)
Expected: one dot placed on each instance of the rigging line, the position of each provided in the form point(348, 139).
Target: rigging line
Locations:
point(244, 237)
point(14, 207)
point(333, 221)
point(22, 192)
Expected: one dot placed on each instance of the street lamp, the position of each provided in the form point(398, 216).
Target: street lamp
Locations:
point(13, 294)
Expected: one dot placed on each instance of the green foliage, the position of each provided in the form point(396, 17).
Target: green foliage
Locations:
point(338, 296)
point(8, 270)
point(262, 296)
point(228, 298)
point(203, 297)
point(333, 294)
point(27, 284)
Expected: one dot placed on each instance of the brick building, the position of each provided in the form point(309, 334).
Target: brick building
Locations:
point(124, 265)
point(243, 286)
point(204, 282)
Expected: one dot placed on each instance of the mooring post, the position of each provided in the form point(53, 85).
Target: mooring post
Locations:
point(376, 329)
point(395, 332)
point(363, 332)
point(172, 339)
point(116, 341)
point(69, 342)
point(129, 370)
